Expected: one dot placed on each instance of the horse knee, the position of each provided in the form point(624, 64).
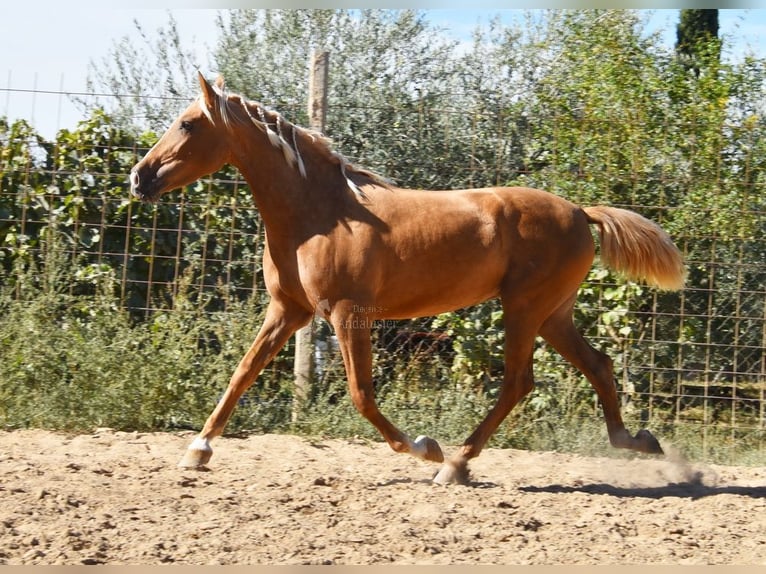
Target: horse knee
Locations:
point(518, 386)
point(364, 404)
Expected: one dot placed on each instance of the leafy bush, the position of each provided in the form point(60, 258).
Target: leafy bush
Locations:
point(76, 361)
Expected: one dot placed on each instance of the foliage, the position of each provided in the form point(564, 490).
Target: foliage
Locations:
point(584, 103)
point(149, 83)
point(408, 75)
point(78, 185)
point(696, 38)
point(78, 361)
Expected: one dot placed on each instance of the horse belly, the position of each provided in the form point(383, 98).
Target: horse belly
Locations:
point(441, 280)
point(425, 303)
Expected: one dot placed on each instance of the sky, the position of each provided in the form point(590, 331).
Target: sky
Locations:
point(45, 50)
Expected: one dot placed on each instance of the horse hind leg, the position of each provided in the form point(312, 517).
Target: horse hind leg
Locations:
point(561, 333)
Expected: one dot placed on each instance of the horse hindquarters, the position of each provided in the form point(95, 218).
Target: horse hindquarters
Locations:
point(640, 249)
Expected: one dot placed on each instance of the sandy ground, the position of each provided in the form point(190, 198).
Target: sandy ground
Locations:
point(118, 498)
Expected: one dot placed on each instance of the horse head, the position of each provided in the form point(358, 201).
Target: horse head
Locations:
point(191, 148)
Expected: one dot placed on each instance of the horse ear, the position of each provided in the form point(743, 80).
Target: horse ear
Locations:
point(219, 83)
point(207, 91)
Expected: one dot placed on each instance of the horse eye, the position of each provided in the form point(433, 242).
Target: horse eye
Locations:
point(186, 126)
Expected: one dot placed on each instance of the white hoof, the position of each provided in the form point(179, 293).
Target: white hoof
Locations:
point(427, 449)
point(452, 473)
point(197, 455)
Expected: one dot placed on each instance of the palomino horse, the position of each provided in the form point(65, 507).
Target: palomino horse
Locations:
point(345, 244)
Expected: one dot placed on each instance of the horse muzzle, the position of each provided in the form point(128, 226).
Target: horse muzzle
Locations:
point(140, 189)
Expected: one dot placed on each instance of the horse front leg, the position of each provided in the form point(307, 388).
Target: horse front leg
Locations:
point(280, 323)
point(353, 332)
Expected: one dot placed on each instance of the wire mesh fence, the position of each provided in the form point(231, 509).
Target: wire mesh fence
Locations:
point(692, 360)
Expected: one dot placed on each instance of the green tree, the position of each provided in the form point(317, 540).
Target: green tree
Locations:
point(697, 41)
point(144, 82)
point(385, 65)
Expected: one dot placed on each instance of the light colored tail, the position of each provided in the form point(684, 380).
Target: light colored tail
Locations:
point(638, 248)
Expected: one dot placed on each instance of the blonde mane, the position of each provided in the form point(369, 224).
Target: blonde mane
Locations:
point(289, 138)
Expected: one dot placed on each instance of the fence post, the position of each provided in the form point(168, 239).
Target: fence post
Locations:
point(303, 367)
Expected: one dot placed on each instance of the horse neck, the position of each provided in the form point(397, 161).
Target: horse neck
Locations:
point(291, 205)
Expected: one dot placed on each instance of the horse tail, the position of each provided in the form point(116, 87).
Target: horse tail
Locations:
point(638, 248)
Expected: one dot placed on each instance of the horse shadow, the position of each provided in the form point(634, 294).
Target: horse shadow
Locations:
point(429, 481)
point(693, 489)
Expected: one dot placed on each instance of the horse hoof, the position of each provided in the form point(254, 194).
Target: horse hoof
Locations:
point(195, 459)
point(452, 473)
point(197, 455)
point(428, 449)
point(648, 444)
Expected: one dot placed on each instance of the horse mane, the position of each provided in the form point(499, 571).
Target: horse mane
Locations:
point(290, 139)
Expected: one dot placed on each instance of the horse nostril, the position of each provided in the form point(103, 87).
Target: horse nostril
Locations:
point(134, 179)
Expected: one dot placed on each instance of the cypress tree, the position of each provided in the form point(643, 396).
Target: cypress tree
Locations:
point(697, 38)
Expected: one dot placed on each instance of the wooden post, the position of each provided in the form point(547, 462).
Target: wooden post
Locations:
point(318, 90)
point(303, 367)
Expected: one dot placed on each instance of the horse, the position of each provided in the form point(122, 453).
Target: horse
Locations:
point(346, 244)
